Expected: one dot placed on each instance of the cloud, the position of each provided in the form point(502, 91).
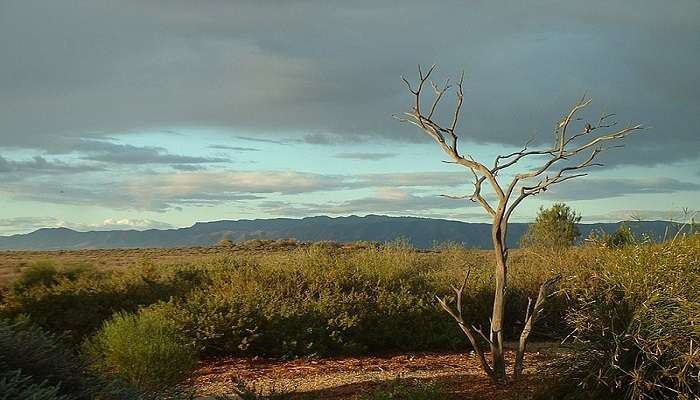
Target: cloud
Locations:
point(166, 191)
point(591, 188)
point(234, 148)
point(40, 165)
point(172, 190)
point(366, 156)
point(11, 226)
point(188, 167)
point(415, 179)
point(129, 223)
point(385, 200)
point(263, 140)
point(646, 215)
point(128, 154)
point(264, 68)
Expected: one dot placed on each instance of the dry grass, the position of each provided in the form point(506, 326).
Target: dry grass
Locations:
point(12, 262)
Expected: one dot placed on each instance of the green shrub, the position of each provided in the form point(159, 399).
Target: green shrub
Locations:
point(636, 326)
point(40, 273)
point(38, 355)
point(315, 302)
point(34, 362)
point(622, 237)
point(144, 350)
point(75, 306)
point(46, 273)
point(554, 227)
point(312, 300)
point(15, 386)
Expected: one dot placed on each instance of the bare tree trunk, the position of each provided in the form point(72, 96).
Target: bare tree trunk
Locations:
point(497, 355)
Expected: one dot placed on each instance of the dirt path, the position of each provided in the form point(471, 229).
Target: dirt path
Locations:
point(343, 378)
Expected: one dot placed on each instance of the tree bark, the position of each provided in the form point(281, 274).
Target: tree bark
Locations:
point(497, 354)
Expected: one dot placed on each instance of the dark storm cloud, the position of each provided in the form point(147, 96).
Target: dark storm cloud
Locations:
point(331, 69)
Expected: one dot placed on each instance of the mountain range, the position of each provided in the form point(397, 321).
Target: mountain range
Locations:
point(420, 232)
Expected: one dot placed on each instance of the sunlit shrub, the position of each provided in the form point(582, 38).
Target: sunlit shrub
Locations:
point(636, 326)
point(144, 350)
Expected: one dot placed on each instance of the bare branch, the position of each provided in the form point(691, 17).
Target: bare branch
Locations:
point(439, 133)
point(467, 330)
point(546, 290)
point(438, 96)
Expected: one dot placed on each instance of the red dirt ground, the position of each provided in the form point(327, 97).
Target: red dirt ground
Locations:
point(344, 378)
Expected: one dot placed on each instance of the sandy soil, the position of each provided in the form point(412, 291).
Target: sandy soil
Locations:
point(344, 378)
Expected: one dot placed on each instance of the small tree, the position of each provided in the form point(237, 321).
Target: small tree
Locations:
point(571, 153)
point(554, 227)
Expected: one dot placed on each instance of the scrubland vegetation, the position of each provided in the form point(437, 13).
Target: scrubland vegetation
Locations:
point(629, 315)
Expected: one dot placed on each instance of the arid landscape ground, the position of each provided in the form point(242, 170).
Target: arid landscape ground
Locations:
point(458, 375)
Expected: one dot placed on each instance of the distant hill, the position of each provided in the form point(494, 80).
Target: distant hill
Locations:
point(421, 232)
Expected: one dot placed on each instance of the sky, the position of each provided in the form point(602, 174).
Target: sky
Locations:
point(138, 114)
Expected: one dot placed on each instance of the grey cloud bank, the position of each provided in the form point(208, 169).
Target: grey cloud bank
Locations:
point(330, 70)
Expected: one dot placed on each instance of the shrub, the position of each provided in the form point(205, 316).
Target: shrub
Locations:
point(312, 300)
point(622, 237)
point(38, 355)
point(635, 324)
point(15, 386)
point(46, 273)
point(34, 362)
point(554, 227)
point(144, 350)
point(75, 307)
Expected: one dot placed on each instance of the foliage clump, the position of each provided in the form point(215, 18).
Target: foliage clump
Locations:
point(636, 326)
point(554, 227)
point(144, 350)
point(75, 305)
point(623, 236)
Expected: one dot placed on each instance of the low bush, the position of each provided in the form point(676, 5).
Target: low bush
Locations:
point(75, 305)
point(312, 300)
point(321, 301)
point(38, 355)
point(636, 326)
point(46, 273)
point(15, 386)
point(36, 364)
point(143, 350)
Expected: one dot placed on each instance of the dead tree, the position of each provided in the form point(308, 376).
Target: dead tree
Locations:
point(565, 159)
